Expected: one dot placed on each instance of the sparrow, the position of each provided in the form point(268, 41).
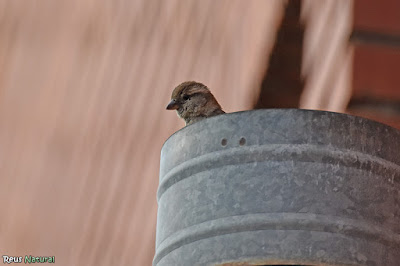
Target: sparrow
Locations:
point(193, 102)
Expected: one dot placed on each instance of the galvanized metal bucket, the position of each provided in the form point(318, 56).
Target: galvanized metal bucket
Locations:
point(281, 186)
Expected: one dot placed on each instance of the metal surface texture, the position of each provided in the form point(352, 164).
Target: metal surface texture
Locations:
point(280, 186)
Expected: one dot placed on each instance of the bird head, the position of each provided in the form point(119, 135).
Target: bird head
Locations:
point(193, 101)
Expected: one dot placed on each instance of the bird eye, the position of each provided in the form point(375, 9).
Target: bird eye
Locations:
point(186, 97)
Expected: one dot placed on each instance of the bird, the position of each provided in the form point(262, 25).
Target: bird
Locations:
point(193, 102)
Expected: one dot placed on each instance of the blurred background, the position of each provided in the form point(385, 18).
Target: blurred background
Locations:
point(84, 85)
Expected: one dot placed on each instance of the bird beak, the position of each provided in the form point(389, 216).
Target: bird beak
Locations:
point(173, 105)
